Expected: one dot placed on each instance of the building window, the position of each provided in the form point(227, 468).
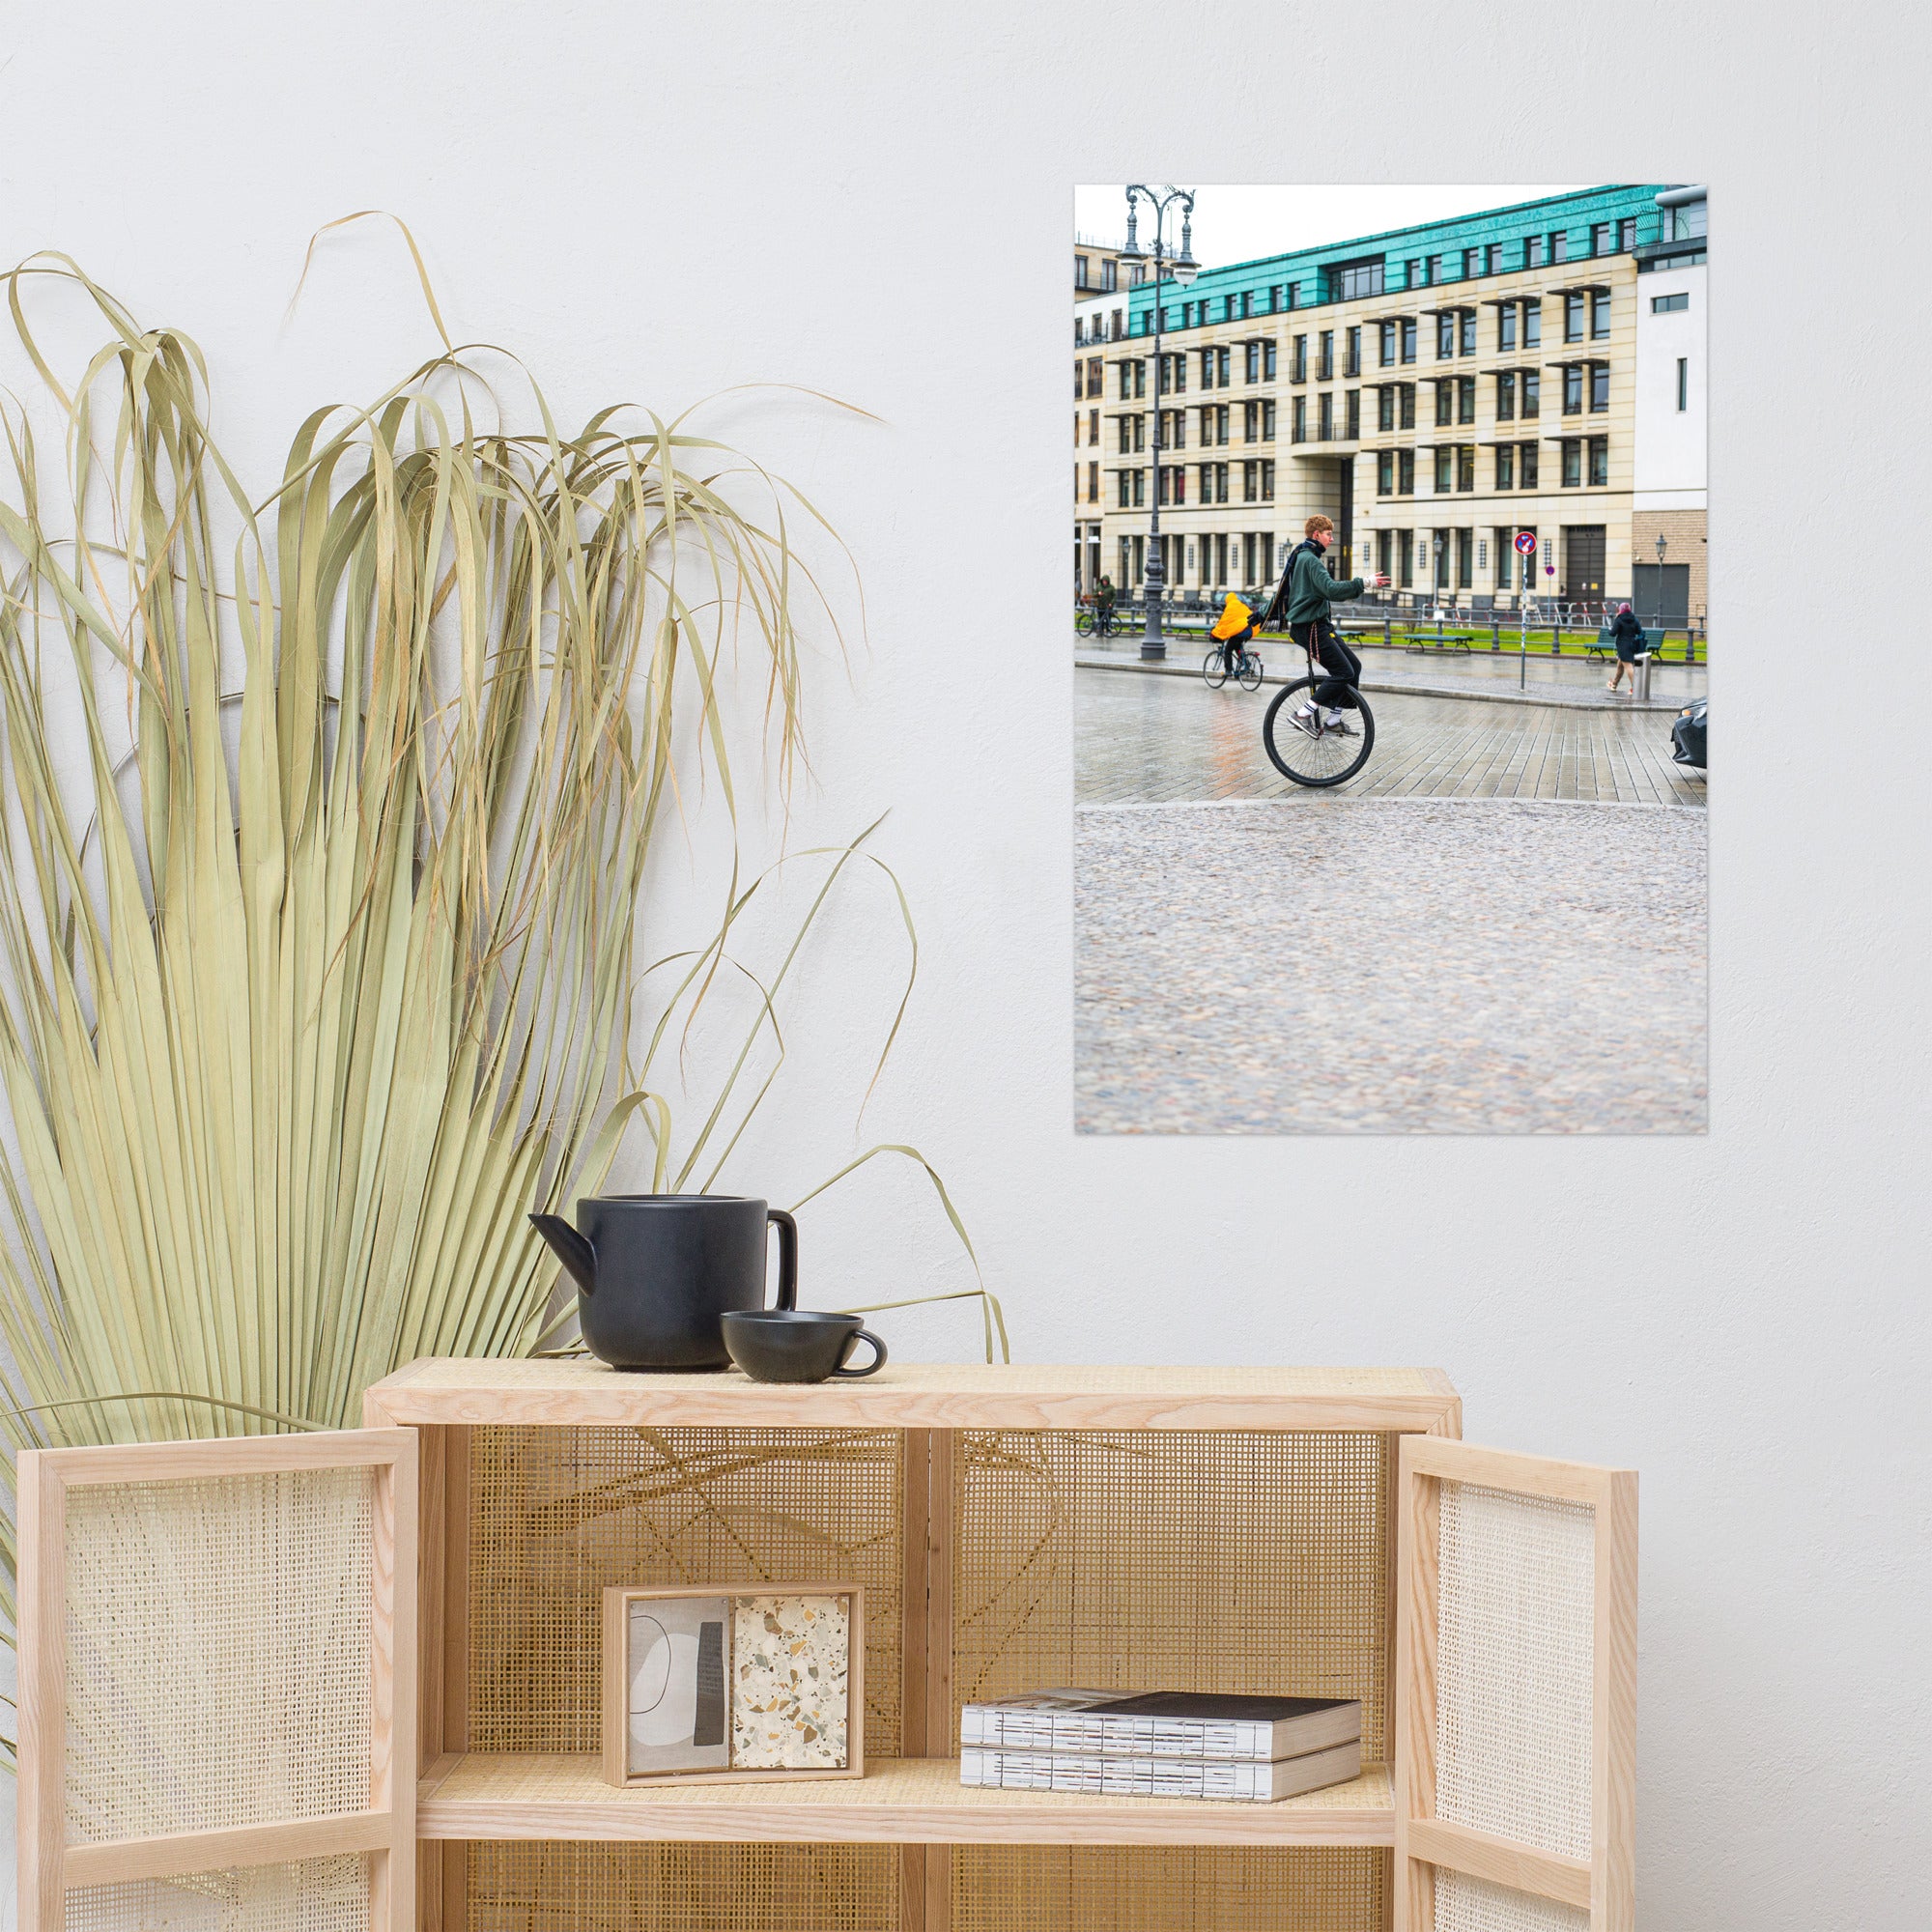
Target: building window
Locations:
point(1353, 428)
point(1465, 468)
point(1600, 462)
point(1325, 365)
point(1297, 366)
point(1464, 547)
point(1092, 424)
point(1472, 262)
point(1573, 318)
point(1353, 363)
point(1404, 559)
point(1465, 399)
point(1250, 482)
point(1468, 332)
point(1348, 279)
point(1385, 408)
point(1206, 368)
point(1289, 294)
point(1600, 387)
point(1140, 432)
point(1096, 377)
point(1247, 304)
point(1126, 435)
point(1411, 276)
point(1526, 466)
point(1251, 363)
point(1689, 224)
point(1670, 304)
point(1445, 404)
point(1079, 382)
point(1386, 473)
point(1138, 279)
point(1600, 238)
point(1572, 463)
point(1493, 259)
point(1446, 470)
point(1532, 323)
point(1682, 384)
point(1386, 333)
point(1573, 389)
point(1139, 378)
point(1221, 413)
point(1267, 479)
point(1445, 335)
point(1327, 420)
point(1110, 275)
point(1433, 272)
point(1559, 245)
point(1093, 482)
point(1405, 473)
point(1267, 361)
point(1121, 478)
point(1505, 328)
point(1505, 466)
point(1408, 339)
point(1224, 362)
point(1407, 406)
point(1297, 421)
point(1506, 396)
point(1627, 234)
point(1505, 551)
point(1532, 251)
point(1600, 314)
point(1529, 387)
point(1251, 422)
point(1080, 272)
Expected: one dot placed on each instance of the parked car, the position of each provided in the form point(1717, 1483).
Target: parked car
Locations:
point(1686, 734)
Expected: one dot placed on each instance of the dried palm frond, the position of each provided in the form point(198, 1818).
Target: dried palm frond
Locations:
point(318, 973)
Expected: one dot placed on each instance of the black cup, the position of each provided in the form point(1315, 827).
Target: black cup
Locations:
point(789, 1345)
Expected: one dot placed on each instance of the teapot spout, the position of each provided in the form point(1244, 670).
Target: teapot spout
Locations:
point(570, 1248)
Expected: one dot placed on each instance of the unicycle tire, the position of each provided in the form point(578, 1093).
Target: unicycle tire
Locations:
point(1330, 759)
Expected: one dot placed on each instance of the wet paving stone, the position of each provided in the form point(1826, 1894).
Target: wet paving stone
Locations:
point(1500, 964)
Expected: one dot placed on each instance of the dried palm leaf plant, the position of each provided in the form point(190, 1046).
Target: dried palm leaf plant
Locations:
point(318, 962)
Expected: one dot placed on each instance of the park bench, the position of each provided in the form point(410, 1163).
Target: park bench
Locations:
point(1653, 642)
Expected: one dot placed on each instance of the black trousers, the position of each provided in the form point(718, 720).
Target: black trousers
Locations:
point(1233, 647)
point(1336, 657)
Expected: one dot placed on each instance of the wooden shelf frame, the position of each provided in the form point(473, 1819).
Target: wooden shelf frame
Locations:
point(915, 1802)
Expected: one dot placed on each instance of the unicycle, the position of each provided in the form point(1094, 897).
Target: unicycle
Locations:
point(1316, 754)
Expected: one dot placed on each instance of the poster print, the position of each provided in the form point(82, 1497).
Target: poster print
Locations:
point(1392, 634)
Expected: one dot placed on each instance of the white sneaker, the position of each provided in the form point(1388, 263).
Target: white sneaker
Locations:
point(1303, 719)
point(1333, 719)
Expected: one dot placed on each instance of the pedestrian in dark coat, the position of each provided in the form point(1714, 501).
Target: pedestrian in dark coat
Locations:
point(1627, 634)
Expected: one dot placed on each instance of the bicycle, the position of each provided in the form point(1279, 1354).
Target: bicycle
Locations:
point(1318, 754)
point(1088, 622)
point(1248, 669)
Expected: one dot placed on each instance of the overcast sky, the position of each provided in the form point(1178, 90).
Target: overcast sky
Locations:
point(1236, 224)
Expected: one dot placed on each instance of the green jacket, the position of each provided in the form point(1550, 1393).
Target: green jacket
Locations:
point(1310, 589)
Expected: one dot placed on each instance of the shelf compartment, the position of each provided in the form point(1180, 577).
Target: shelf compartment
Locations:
point(900, 1801)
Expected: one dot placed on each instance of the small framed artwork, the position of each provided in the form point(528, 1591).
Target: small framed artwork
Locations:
point(751, 1685)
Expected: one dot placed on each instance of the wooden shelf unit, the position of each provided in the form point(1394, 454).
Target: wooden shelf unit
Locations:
point(915, 1800)
point(1304, 1529)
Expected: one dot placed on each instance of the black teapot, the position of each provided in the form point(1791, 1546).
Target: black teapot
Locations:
point(655, 1272)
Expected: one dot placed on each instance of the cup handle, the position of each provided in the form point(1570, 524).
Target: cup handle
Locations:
point(872, 1366)
point(787, 1257)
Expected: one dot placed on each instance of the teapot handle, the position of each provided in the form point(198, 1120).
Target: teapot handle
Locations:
point(788, 1258)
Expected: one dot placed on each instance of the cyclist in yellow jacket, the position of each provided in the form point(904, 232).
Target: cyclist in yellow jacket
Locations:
point(1232, 631)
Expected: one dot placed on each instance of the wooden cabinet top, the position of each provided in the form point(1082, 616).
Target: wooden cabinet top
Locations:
point(917, 1395)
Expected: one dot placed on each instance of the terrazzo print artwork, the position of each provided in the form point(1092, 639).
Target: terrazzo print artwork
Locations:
point(790, 1661)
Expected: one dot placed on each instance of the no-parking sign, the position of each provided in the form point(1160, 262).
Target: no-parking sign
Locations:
point(1525, 543)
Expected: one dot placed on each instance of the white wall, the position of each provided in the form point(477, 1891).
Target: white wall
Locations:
point(1671, 443)
point(607, 187)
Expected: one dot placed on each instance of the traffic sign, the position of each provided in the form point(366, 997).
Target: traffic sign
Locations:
point(1525, 542)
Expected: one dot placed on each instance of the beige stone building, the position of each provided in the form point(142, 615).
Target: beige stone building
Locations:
point(1436, 391)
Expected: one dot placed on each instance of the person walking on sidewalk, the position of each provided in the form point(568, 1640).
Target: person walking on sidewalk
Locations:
point(1301, 601)
point(1627, 634)
point(1103, 604)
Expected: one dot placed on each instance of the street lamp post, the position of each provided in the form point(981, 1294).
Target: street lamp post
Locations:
point(1153, 645)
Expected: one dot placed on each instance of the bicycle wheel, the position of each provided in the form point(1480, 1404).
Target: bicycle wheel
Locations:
point(1215, 669)
point(1329, 756)
point(1251, 672)
point(1083, 623)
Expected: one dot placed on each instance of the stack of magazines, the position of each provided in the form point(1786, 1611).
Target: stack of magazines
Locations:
point(1163, 1743)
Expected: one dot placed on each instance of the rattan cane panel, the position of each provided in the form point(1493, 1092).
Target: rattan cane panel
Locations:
point(1114, 1889)
point(1146, 1560)
point(535, 1885)
point(1465, 1904)
point(217, 1652)
point(558, 1514)
point(1514, 1667)
point(313, 1895)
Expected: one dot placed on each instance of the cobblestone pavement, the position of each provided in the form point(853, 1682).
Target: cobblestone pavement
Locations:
point(1348, 965)
point(1150, 738)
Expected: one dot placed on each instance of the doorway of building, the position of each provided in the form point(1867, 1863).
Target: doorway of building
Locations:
point(1583, 561)
point(1660, 594)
